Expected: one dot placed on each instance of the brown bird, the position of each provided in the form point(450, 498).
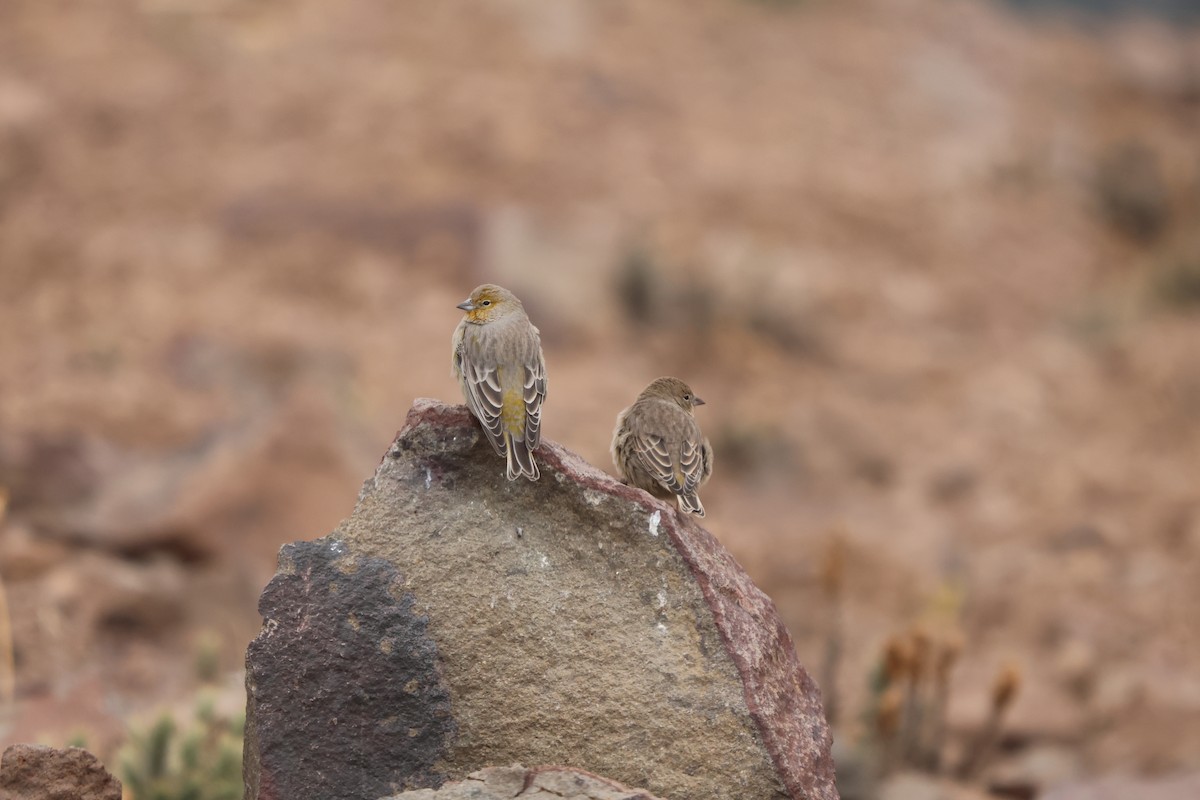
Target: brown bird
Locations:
point(658, 446)
point(498, 362)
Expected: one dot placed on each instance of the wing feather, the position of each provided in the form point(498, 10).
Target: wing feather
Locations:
point(534, 394)
point(654, 453)
point(691, 463)
point(680, 463)
point(485, 399)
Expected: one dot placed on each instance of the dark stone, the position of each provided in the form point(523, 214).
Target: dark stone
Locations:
point(345, 700)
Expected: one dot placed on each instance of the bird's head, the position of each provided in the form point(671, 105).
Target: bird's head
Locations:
point(674, 390)
point(489, 302)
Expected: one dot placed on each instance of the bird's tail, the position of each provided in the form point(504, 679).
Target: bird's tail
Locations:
point(690, 503)
point(520, 459)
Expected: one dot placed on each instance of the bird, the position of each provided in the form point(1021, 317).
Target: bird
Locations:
point(658, 446)
point(497, 359)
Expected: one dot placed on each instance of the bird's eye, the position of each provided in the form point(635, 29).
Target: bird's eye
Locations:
point(486, 303)
point(687, 397)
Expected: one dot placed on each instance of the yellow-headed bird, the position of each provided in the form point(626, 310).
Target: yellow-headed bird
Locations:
point(498, 362)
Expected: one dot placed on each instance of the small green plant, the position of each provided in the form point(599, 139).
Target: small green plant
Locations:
point(199, 760)
point(78, 739)
point(208, 657)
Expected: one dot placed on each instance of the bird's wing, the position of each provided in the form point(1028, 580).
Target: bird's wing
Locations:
point(485, 398)
point(691, 462)
point(535, 393)
point(677, 460)
point(654, 452)
point(456, 351)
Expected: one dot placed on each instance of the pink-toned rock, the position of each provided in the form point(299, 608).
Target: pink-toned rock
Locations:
point(458, 620)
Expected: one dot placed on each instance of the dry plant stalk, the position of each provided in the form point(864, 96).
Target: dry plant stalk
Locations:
point(1004, 691)
point(832, 576)
point(910, 720)
point(8, 669)
point(887, 725)
point(934, 737)
point(914, 703)
point(833, 567)
point(890, 706)
point(897, 654)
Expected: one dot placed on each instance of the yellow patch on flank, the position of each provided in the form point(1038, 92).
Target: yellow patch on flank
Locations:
point(514, 411)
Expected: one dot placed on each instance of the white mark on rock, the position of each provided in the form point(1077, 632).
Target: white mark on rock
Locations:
point(337, 546)
point(428, 478)
point(655, 518)
point(544, 561)
point(661, 628)
point(592, 497)
point(662, 598)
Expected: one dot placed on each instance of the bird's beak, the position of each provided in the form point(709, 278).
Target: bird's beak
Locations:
point(696, 401)
point(466, 305)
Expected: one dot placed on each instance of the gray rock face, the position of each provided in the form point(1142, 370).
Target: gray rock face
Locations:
point(518, 783)
point(458, 620)
point(37, 772)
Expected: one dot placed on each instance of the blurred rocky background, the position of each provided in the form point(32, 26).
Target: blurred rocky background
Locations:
point(934, 265)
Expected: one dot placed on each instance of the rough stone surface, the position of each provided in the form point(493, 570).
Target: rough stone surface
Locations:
point(458, 620)
point(539, 783)
point(347, 700)
point(37, 772)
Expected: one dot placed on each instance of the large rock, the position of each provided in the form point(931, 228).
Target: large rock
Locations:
point(458, 620)
point(37, 772)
